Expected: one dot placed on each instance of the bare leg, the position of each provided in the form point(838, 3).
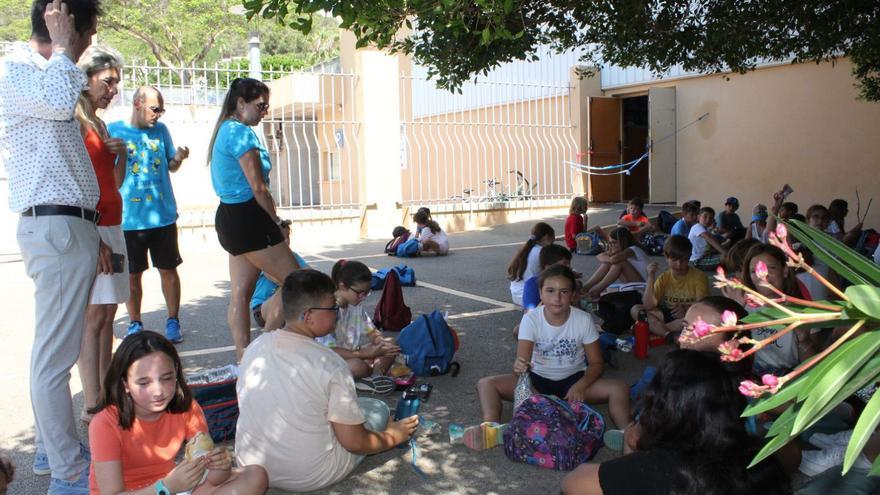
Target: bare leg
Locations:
point(616, 394)
point(628, 273)
point(133, 305)
point(275, 261)
point(597, 276)
point(359, 368)
point(381, 365)
point(89, 357)
point(611, 276)
point(248, 480)
point(243, 277)
point(171, 290)
point(273, 313)
point(492, 390)
point(655, 320)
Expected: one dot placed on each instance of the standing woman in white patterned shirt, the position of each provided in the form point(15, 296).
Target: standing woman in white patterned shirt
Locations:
point(102, 66)
point(53, 186)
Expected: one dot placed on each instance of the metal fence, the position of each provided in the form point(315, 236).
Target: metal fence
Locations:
point(501, 142)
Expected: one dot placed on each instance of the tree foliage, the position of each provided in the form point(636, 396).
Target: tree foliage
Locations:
point(456, 39)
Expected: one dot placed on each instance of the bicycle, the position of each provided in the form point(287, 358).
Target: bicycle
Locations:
point(524, 189)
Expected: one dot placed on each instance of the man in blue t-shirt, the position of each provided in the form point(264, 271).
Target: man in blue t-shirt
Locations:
point(149, 211)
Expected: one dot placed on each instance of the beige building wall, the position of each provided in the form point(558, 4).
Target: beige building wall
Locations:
point(799, 124)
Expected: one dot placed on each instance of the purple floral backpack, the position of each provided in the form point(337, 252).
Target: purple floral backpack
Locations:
point(554, 434)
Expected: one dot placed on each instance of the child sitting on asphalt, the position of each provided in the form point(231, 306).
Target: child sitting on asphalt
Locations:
point(554, 254)
point(668, 297)
point(526, 263)
point(300, 417)
point(758, 226)
point(689, 212)
point(576, 223)
point(356, 339)
point(558, 347)
point(635, 219)
point(728, 223)
point(624, 261)
point(702, 239)
point(432, 239)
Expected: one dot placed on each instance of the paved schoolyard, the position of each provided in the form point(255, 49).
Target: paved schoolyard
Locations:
point(470, 284)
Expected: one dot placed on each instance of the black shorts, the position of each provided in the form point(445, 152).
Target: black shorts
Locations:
point(161, 242)
point(559, 388)
point(245, 227)
point(667, 313)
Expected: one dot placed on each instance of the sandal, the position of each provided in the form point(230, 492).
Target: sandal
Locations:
point(379, 385)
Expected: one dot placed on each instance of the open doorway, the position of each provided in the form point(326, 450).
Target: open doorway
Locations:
point(635, 143)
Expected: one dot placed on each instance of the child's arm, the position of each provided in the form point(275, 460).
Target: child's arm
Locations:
point(361, 441)
point(596, 366)
point(649, 300)
point(621, 256)
point(219, 466)
point(524, 349)
point(185, 476)
point(712, 241)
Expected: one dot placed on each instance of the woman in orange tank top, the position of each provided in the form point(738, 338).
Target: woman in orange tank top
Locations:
point(102, 65)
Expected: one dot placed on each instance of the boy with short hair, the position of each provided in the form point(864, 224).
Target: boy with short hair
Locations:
point(668, 297)
point(689, 212)
point(728, 223)
point(701, 240)
point(635, 219)
point(300, 417)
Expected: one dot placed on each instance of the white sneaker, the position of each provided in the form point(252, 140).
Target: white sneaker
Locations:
point(815, 462)
point(827, 441)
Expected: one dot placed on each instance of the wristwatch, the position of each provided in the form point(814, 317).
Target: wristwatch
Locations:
point(161, 489)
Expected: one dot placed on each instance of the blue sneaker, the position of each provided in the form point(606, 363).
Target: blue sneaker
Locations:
point(80, 486)
point(41, 464)
point(41, 460)
point(172, 331)
point(134, 327)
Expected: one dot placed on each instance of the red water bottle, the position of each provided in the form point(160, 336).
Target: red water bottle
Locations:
point(643, 335)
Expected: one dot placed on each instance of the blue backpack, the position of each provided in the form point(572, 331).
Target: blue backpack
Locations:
point(429, 346)
point(408, 249)
point(406, 275)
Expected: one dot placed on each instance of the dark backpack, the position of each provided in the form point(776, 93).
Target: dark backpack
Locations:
point(429, 345)
point(653, 243)
point(391, 247)
point(614, 310)
point(392, 313)
point(220, 405)
point(551, 433)
point(665, 221)
point(406, 275)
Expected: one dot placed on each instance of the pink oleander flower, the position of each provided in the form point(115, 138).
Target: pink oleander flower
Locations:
point(752, 389)
point(754, 302)
point(701, 329)
point(761, 271)
point(771, 381)
point(730, 350)
point(719, 273)
point(728, 318)
point(781, 231)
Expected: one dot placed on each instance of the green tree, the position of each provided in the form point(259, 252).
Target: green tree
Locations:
point(458, 38)
point(15, 20)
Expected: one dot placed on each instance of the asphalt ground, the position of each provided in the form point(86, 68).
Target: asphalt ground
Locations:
point(470, 284)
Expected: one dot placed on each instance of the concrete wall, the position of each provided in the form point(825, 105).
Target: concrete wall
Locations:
point(801, 124)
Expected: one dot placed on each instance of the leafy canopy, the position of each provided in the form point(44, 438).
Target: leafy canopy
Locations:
point(456, 39)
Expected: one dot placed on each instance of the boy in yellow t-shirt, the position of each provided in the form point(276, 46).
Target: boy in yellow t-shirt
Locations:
point(668, 297)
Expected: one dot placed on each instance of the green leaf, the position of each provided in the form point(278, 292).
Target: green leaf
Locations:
point(822, 368)
point(783, 424)
point(787, 393)
point(866, 299)
point(866, 425)
point(875, 468)
point(769, 448)
point(827, 246)
point(843, 364)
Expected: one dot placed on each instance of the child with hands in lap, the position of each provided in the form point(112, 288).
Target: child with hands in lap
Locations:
point(355, 338)
point(559, 347)
point(145, 416)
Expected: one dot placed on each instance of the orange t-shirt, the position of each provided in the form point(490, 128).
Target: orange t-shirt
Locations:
point(147, 450)
point(634, 218)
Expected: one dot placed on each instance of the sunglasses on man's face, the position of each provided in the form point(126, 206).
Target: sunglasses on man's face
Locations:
point(157, 110)
point(262, 106)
